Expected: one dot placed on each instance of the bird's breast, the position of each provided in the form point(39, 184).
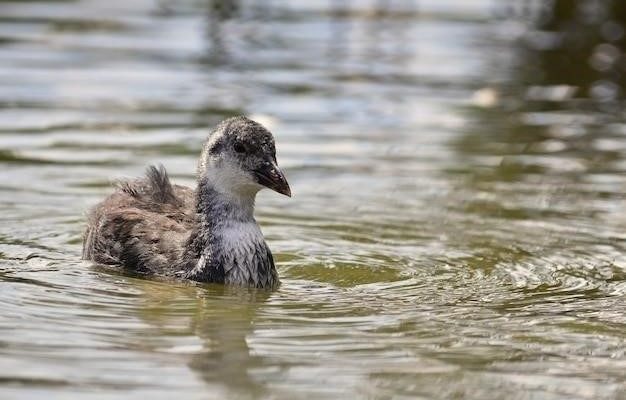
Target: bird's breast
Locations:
point(240, 236)
point(242, 252)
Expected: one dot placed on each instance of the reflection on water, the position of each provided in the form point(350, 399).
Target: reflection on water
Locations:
point(457, 229)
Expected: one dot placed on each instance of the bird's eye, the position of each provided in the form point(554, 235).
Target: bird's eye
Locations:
point(239, 148)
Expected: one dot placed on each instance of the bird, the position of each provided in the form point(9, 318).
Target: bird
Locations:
point(208, 234)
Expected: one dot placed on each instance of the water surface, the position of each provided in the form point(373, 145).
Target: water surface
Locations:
point(457, 228)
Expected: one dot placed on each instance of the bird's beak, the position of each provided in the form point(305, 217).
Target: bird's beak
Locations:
point(270, 176)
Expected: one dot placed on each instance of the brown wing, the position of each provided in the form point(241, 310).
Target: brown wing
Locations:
point(142, 226)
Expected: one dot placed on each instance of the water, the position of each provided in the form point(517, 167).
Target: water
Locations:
point(457, 228)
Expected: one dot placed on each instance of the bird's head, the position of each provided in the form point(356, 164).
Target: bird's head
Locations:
point(239, 159)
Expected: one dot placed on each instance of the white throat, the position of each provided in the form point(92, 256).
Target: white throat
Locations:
point(230, 180)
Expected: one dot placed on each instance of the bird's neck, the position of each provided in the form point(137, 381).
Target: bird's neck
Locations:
point(216, 207)
point(227, 242)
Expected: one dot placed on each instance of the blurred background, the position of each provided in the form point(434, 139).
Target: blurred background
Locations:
point(458, 224)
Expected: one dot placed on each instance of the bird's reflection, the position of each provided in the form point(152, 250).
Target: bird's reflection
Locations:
point(221, 317)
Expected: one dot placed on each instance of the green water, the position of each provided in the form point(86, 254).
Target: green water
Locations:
point(458, 224)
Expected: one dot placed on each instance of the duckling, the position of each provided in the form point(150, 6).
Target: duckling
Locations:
point(150, 226)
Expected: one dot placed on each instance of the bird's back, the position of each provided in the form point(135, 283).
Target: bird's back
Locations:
point(142, 226)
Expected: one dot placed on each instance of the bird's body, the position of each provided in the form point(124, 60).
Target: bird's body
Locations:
point(208, 234)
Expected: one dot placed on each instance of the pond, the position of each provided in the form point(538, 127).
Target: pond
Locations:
point(458, 223)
